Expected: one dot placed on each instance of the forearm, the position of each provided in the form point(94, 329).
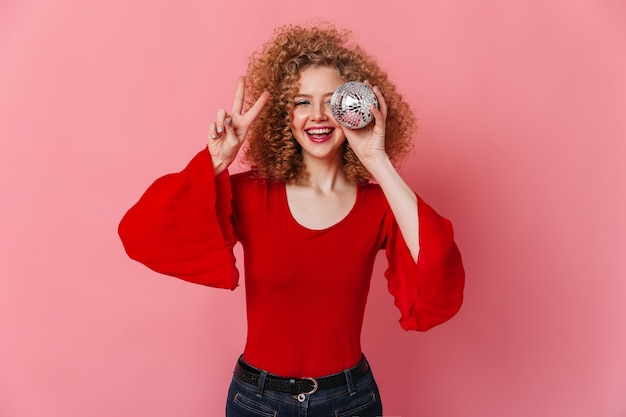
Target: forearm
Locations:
point(401, 199)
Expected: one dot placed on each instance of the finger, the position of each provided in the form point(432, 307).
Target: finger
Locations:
point(382, 103)
point(376, 112)
point(228, 124)
point(213, 131)
point(256, 108)
point(233, 136)
point(219, 121)
point(239, 96)
point(379, 112)
point(379, 118)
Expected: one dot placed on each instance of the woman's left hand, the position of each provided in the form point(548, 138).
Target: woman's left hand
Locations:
point(368, 143)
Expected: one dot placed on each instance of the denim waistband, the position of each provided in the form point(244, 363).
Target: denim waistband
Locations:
point(264, 380)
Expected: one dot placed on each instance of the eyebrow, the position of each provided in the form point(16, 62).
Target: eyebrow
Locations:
point(311, 95)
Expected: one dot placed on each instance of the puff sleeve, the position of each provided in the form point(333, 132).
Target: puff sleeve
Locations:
point(430, 292)
point(181, 226)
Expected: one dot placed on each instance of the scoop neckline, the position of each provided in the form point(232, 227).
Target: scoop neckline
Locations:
point(341, 221)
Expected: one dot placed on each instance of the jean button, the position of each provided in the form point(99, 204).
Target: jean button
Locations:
point(301, 397)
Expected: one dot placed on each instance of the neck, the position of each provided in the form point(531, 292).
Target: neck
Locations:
point(325, 175)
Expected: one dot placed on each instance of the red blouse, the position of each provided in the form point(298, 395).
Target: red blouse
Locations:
point(306, 289)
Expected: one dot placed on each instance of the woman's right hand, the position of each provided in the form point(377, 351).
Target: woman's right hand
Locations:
point(228, 131)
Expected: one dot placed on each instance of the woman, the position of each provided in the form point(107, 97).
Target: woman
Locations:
point(318, 203)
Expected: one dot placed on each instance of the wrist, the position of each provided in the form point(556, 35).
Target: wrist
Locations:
point(219, 165)
point(378, 163)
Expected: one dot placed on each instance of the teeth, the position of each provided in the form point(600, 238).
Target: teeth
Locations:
point(319, 131)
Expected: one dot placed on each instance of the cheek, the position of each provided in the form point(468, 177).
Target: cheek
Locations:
point(297, 120)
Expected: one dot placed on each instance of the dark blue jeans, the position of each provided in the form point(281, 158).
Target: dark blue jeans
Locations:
point(358, 398)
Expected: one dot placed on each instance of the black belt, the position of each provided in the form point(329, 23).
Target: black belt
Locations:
point(251, 375)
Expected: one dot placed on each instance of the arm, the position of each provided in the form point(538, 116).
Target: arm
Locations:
point(180, 226)
point(402, 201)
point(430, 292)
point(425, 274)
point(369, 146)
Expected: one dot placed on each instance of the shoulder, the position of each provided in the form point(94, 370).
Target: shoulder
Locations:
point(372, 197)
point(248, 178)
point(372, 191)
point(250, 182)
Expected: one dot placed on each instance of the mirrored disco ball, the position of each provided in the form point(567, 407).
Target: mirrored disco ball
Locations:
point(350, 104)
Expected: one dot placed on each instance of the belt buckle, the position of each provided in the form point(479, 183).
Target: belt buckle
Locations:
point(315, 385)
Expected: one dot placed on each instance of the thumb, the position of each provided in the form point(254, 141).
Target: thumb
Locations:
point(228, 123)
point(229, 129)
point(233, 134)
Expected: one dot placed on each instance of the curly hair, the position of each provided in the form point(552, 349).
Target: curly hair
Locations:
point(271, 147)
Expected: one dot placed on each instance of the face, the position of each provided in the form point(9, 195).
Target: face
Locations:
point(312, 123)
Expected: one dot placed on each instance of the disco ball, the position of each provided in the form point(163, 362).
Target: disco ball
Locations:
point(350, 104)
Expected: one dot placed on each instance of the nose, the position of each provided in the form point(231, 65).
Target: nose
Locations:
point(319, 111)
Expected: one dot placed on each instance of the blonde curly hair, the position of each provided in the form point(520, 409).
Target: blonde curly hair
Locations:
point(271, 147)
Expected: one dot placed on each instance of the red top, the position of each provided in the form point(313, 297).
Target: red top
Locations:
point(305, 289)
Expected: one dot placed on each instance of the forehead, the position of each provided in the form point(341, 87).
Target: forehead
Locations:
point(319, 79)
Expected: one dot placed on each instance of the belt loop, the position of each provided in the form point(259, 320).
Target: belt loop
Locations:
point(349, 382)
point(292, 386)
point(261, 385)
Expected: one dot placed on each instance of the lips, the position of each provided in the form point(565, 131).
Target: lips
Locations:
point(320, 134)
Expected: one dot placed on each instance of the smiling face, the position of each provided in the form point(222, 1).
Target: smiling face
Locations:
point(312, 123)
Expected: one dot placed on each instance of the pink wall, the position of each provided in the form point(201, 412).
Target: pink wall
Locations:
point(522, 144)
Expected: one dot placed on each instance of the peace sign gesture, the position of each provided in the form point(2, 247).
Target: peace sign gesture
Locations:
point(228, 132)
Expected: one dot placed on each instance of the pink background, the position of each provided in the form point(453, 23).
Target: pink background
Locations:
point(522, 107)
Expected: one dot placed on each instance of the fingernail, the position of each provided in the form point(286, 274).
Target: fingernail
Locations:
point(213, 136)
point(220, 129)
point(229, 121)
